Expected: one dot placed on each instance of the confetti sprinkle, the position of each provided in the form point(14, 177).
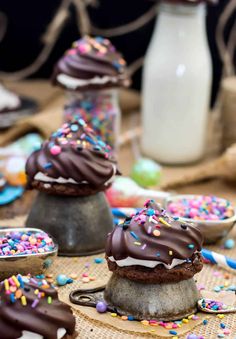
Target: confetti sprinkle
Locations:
point(201, 208)
point(17, 243)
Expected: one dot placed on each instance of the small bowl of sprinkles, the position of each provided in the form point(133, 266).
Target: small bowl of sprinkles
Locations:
point(214, 216)
point(25, 250)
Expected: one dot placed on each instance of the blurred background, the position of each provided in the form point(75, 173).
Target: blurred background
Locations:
point(27, 21)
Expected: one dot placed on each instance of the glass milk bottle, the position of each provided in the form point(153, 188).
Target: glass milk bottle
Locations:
point(176, 85)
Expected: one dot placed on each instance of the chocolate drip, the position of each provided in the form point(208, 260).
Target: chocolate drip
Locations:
point(155, 236)
point(44, 319)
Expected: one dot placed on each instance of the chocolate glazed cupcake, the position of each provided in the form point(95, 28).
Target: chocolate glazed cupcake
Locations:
point(91, 63)
point(30, 309)
point(90, 72)
point(153, 259)
point(71, 171)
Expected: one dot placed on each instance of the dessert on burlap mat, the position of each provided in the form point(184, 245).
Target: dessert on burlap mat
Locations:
point(91, 325)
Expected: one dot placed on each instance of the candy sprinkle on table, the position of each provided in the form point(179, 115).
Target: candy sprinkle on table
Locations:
point(201, 208)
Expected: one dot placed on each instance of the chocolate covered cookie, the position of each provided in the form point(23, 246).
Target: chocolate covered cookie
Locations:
point(30, 308)
point(91, 63)
point(72, 162)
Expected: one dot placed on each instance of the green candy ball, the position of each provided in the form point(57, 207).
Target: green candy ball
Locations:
point(146, 172)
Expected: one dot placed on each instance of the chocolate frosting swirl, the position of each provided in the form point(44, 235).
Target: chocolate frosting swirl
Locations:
point(153, 235)
point(93, 57)
point(73, 153)
point(43, 313)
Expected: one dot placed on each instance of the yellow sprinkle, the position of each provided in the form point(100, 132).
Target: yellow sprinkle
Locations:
point(179, 325)
point(170, 252)
point(6, 284)
point(168, 327)
point(49, 300)
point(221, 316)
point(36, 292)
point(124, 317)
point(145, 322)
point(163, 221)
point(185, 321)
point(23, 300)
point(16, 281)
point(137, 243)
point(114, 315)
point(190, 316)
point(175, 337)
point(226, 284)
point(151, 331)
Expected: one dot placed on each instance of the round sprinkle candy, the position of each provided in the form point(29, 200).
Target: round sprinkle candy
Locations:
point(101, 307)
point(156, 233)
point(55, 150)
point(229, 244)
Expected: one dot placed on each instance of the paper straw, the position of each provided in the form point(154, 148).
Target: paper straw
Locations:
point(219, 259)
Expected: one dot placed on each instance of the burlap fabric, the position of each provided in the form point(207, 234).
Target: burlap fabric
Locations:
point(91, 325)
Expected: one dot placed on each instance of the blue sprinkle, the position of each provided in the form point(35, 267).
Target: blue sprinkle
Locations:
point(130, 318)
point(217, 289)
point(173, 332)
point(81, 122)
point(90, 140)
point(191, 246)
point(12, 298)
point(98, 260)
point(222, 325)
point(47, 165)
point(69, 281)
point(229, 244)
point(150, 212)
point(74, 128)
point(158, 254)
point(134, 235)
point(220, 335)
point(205, 322)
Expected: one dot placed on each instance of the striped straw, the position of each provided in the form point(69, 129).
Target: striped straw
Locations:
point(219, 259)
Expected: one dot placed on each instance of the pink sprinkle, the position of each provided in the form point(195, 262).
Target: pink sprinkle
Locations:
point(226, 331)
point(143, 247)
point(149, 230)
point(55, 150)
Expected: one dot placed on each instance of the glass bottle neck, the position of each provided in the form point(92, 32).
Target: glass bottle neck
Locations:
point(195, 10)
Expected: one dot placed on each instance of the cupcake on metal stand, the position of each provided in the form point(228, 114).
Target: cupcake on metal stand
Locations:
point(71, 170)
point(153, 258)
point(91, 71)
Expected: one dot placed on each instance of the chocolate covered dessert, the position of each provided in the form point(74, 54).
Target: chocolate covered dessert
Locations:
point(76, 164)
point(72, 162)
point(91, 63)
point(90, 72)
point(156, 256)
point(30, 309)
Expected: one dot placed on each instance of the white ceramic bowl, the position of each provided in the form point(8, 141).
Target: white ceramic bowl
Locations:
point(212, 230)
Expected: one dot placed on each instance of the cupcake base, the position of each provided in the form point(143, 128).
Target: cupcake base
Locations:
point(163, 302)
point(78, 224)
